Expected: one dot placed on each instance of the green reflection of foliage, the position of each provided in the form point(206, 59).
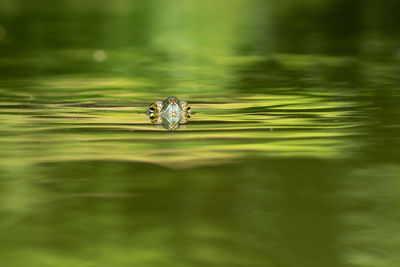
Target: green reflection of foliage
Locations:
point(289, 160)
point(152, 215)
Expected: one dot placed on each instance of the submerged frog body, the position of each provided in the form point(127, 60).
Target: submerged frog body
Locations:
point(170, 113)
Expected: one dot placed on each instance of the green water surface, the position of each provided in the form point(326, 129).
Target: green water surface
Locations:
point(290, 160)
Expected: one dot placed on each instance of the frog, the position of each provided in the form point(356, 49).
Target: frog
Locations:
point(171, 113)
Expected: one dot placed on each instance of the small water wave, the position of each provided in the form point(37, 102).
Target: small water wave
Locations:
point(221, 131)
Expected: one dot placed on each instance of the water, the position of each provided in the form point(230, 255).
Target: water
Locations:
point(291, 157)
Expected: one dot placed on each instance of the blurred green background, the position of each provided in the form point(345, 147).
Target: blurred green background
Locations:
point(291, 159)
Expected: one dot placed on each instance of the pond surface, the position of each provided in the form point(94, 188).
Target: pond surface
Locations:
point(291, 157)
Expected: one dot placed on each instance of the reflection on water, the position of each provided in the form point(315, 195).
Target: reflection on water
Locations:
point(291, 157)
point(287, 125)
point(169, 121)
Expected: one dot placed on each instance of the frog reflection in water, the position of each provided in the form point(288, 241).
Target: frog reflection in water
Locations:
point(170, 113)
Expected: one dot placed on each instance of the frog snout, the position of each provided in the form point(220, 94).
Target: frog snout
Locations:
point(174, 108)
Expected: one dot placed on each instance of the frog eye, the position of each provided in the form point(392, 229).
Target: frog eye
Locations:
point(153, 107)
point(188, 108)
